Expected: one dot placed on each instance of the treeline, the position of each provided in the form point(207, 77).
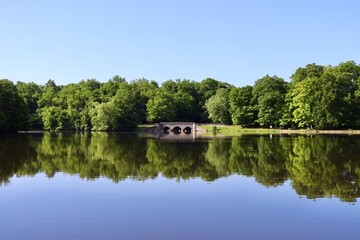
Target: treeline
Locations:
point(320, 97)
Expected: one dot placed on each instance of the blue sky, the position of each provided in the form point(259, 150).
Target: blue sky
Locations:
point(235, 41)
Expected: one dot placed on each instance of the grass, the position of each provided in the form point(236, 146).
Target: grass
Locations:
point(237, 130)
point(231, 130)
point(144, 127)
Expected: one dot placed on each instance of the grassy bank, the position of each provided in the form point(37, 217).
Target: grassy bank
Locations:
point(234, 130)
point(144, 127)
point(231, 130)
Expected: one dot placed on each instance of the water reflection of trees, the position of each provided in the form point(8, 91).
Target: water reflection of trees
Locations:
point(317, 166)
point(14, 153)
point(324, 166)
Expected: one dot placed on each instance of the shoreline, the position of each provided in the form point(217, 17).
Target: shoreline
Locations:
point(238, 130)
point(229, 130)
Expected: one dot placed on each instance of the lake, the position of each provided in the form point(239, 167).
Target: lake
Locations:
point(130, 186)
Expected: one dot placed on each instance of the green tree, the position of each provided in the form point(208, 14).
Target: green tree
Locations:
point(170, 86)
point(30, 93)
point(13, 110)
point(55, 118)
point(145, 89)
point(206, 89)
point(118, 114)
point(309, 71)
point(348, 101)
point(185, 107)
point(48, 110)
point(108, 90)
point(326, 101)
point(186, 97)
point(218, 107)
point(125, 101)
point(48, 94)
point(161, 107)
point(103, 116)
point(269, 98)
point(305, 96)
point(241, 109)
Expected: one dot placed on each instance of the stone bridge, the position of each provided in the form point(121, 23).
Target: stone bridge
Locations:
point(177, 127)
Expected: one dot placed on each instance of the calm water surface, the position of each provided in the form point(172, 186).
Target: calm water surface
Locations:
point(121, 186)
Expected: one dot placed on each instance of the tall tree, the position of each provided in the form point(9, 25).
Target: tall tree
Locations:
point(119, 113)
point(269, 97)
point(218, 107)
point(109, 89)
point(206, 89)
point(161, 107)
point(31, 93)
point(13, 110)
point(329, 100)
point(305, 96)
point(309, 71)
point(241, 108)
point(185, 107)
point(348, 77)
point(145, 89)
point(125, 101)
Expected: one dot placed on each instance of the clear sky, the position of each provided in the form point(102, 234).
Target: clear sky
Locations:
point(235, 41)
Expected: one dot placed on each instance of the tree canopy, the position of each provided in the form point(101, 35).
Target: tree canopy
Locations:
point(320, 97)
point(13, 111)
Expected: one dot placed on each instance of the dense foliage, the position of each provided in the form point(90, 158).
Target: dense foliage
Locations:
point(320, 97)
point(13, 114)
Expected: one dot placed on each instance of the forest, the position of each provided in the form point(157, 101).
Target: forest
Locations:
point(317, 97)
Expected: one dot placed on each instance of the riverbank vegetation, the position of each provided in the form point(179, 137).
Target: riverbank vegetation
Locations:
point(317, 97)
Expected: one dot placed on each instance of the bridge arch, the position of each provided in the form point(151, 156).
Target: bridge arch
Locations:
point(176, 130)
point(187, 130)
point(166, 129)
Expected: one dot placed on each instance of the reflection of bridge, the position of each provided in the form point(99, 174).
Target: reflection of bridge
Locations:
point(176, 136)
point(177, 127)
